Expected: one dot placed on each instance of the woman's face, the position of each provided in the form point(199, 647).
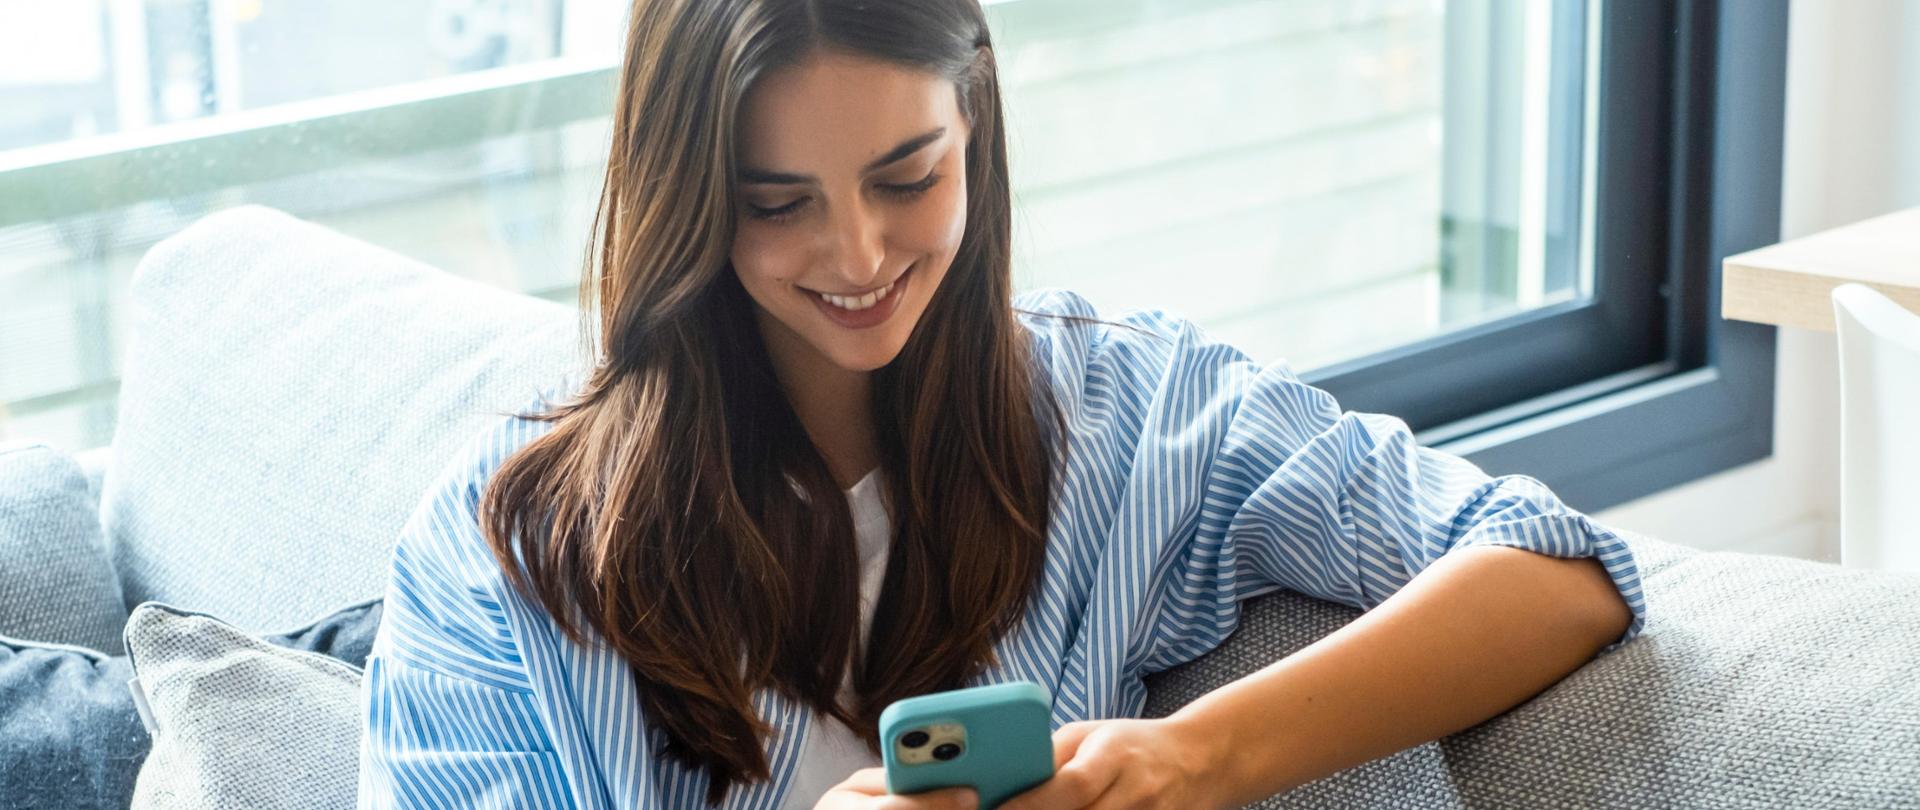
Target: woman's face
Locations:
point(853, 199)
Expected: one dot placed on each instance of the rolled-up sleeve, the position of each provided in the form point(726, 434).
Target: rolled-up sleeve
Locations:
point(1268, 483)
point(1346, 506)
point(451, 718)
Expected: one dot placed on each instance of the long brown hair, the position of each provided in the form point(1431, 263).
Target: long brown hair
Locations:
point(677, 508)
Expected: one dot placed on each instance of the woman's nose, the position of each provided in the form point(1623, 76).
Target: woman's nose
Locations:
point(856, 249)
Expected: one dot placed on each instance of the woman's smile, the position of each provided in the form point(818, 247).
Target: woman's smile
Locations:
point(862, 311)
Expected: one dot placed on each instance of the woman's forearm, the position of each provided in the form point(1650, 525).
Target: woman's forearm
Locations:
point(1478, 632)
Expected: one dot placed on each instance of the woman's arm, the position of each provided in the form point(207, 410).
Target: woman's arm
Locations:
point(1242, 479)
point(1473, 635)
point(1478, 632)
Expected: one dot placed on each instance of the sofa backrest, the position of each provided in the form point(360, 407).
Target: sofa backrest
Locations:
point(288, 395)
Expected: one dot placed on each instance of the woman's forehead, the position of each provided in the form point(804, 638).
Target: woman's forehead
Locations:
point(832, 113)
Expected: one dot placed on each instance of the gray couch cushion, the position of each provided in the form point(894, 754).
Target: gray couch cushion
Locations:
point(55, 582)
point(1760, 681)
point(70, 737)
point(239, 721)
point(289, 392)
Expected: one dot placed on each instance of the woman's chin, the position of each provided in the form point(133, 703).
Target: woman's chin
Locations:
point(865, 349)
point(863, 358)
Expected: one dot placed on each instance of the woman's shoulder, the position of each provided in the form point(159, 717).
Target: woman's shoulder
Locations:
point(1043, 305)
point(508, 431)
point(447, 592)
point(446, 519)
point(1076, 340)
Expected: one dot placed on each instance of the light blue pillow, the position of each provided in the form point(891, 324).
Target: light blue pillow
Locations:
point(56, 583)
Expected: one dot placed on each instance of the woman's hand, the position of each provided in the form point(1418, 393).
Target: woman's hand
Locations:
point(866, 789)
point(1111, 764)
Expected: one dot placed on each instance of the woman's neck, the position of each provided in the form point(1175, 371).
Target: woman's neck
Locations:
point(834, 405)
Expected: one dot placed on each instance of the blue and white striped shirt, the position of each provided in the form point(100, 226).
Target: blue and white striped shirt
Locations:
point(1194, 478)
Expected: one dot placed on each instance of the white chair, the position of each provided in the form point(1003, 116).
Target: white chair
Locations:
point(1879, 430)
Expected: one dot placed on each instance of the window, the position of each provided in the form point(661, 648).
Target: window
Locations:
point(1496, 219)
point(1310, 181)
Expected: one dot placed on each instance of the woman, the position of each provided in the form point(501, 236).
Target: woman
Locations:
point(824, 460)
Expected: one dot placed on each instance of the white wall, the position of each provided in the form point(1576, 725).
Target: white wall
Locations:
point(1852, 151)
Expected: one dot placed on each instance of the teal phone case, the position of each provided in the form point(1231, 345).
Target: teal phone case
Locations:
point(1007, 746)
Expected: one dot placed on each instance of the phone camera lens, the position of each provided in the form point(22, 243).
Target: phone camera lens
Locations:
point(946, 751)
point(914, 739)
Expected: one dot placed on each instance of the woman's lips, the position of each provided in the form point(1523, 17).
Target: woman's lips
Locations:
point(871, 316)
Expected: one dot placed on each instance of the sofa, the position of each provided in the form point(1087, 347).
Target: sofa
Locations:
point(288, 393)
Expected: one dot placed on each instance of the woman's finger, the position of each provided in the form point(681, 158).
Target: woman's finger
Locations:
point(866, 789)
point(1075, 785)
point(866, 782)
point(1066, 741)
point(953, 798)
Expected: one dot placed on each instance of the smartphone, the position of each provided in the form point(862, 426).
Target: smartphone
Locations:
point(994, 739)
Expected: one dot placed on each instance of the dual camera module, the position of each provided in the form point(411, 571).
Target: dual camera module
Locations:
point(939, 742)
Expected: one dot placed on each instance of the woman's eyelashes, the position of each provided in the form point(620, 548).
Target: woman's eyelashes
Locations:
point(913, 189)
point(901, 191)
point(775, 214)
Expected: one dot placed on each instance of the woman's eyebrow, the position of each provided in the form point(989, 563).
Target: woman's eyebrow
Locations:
point(908, 147)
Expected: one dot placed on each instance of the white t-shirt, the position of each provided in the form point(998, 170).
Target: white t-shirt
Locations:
point(832, 752)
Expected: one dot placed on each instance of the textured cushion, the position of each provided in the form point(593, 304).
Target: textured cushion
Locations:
point(288, 394)
point(70, 738)
point(239, 721)
point(56, 584)
point(1760, 681)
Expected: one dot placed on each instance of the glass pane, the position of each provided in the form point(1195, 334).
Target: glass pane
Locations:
point(512, 208)
point(75, 68)
point(1309, 179)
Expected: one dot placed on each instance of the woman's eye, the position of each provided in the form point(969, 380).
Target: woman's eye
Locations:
point(899, 190)
point(776, 214)
point(914, 188)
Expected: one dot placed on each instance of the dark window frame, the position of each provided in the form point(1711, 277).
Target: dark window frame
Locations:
point(1688, 170)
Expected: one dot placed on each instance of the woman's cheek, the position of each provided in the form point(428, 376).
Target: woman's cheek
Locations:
point(761, 258)
point(939, 225)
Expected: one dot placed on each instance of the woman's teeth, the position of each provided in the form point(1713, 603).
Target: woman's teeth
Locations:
point(857, 303)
